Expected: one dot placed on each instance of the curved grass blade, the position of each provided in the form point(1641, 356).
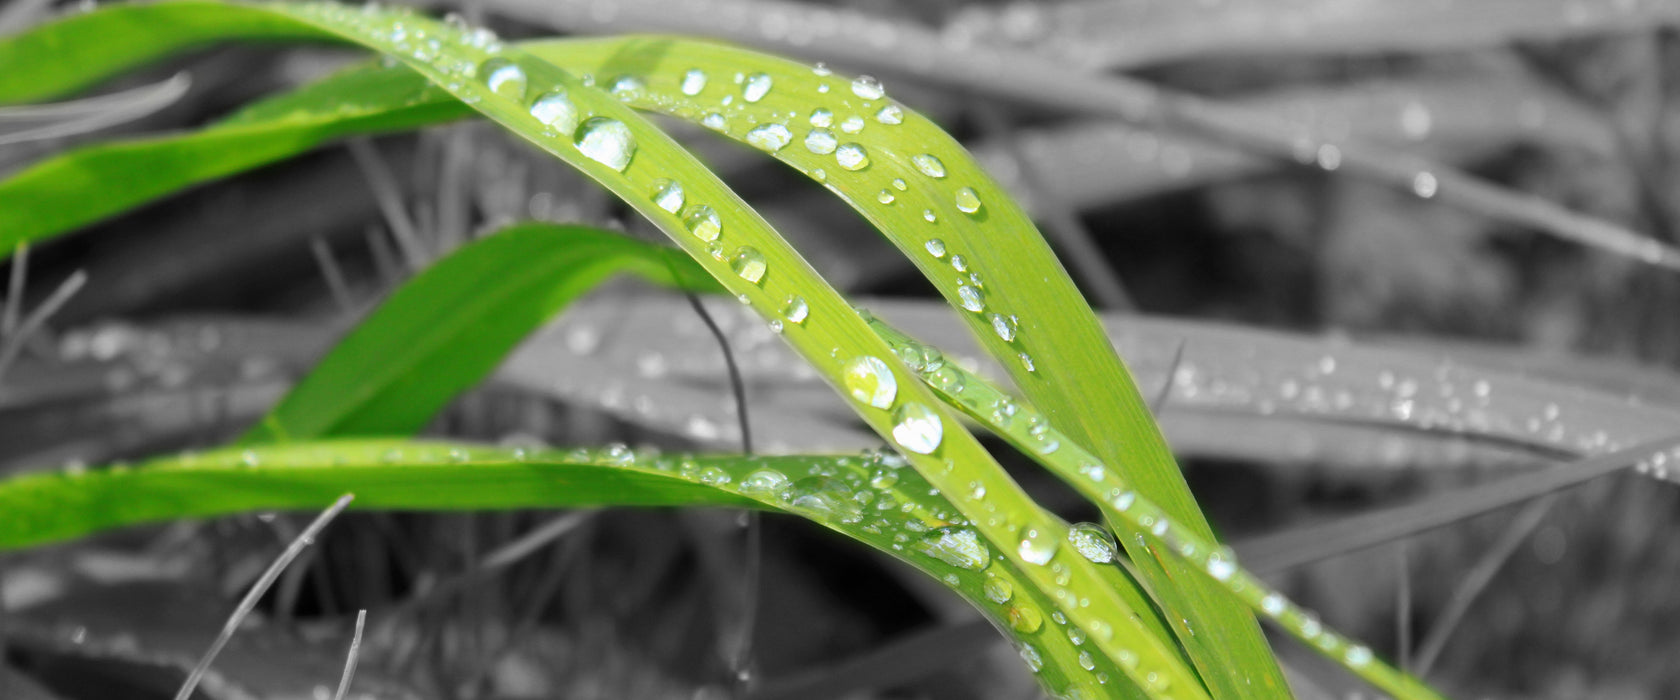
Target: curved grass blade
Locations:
point(446, 329)
point(23, 124)
point(630, 157)
point(1025, 428)
point(873, 498)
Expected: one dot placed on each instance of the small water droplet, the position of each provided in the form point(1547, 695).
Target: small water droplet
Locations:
point(714, 121)
point(667, 194)
point(869, 380)
point(929, 216)
point(821, 69)
point(851, 157)
point(693, 82)
point(972, 298)
point(867, 87)
point(606, 141)
point(504, 78)
point(1092, 542)
point(899, 184)
point(755, 87)
point(748, 264)
point(852, 124)
point(917, 428)
point(626, 86)
point(929, 165)
point(1086, 662)
point(821, 141)
point(947, 379)
point(935, 247)
point(957, 546)
point(890, 114)
point(795, 310)
point(555, 110)
point(1425, 185)
point(1027, 364)
point(828, 496)
point(998, 590)
point(1026, 619)
point(967, 201)
point(770, 137)
point(1037, 546)
point(1004, 327)
point(766, 482)
point(713, 476)
point(1220, 565)
point(704, 223)
point(885, 197)
point(1358, 656)
point(822, 118)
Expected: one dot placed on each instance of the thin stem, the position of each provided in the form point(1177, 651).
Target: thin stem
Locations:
point(1478, 579)
point(350, 657)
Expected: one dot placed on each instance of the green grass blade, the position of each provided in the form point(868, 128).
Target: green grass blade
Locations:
point(446, 329)
point(1122, 504)
point(872, 498)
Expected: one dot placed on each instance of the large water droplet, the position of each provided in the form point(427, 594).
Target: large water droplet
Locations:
point(890, 114)
point(770, 137)
point(957, 546)
point(1092, 542)
point(1004, 327)
point(795, 310)
point(766, 482)
point(852, 124)
point(917, 428)
point(967, 201)
point(701, 221)
point(822, 118)
point(756, 87)
point(998, 590)
point(748, 264)
point(821, 141)
point(693, 82)
point(1037, 546)
point(504, 78)
point(852, 157)
point(972, 298)
point(667, 194)
point(555, 109)
point(606, 141)
point(869, 380)
point(929, 165)
point(867, 87)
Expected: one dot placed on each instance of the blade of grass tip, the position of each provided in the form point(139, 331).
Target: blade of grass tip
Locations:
point(249, 602)
point(1307, 544)
point(1472, 585)
point(873, 43)
point(15, 342)
point(389, 195)
point(91, 114)
point(350, 656)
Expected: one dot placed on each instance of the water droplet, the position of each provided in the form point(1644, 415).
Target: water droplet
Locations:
point(775, 326)
point(998, 590)
point(555, 110)
point(929, 165)
point(1329, 157)
point(869, 380)
point(704, 223)
point(504, 78)
point(1219, 564)
point(748, 264)
point(899, 184)
point(890, 114)
point(1027, 364)
point(606, 141)
point(821, 141)
point(713, 476)
point(1425, 185)
point(756, 87)
point(1026, 620)
point(1358, 656)
point(947, 379)
point(885, 197)
point(972, 299)
point(851, 157)
point(770, 137)
point(822, 118)
point(827, 496)
point(625, 86)
point(795, 310)
point(967, 201)
point(766, 482)
point(935, 247)
point(693, 82)
point(1004, 327)
point(1037, 546)
point(668, 194)
point(1086, 662)
point(821, 69)
point(714, 121)
point(1092, 542)
point(852, 124)
point(929, 216)
point(867, 87)
point(957, 546)
point(917, 428)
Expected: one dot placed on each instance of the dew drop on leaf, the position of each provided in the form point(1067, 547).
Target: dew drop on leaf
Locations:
point(998, 590)
point(899, 184)
point(795, 310)
point(852, 157)
point(505, 78)
point(1092, 542)
point(704, 223)
point(1037, 546)
point(958, 546)
point(1220, 565)
point(947, 379)
point(668, 194)
point(1425, 185)
point(606, 141)
point(929, 165)
point(972, 299)
point(890, 114)
point(1026, 619)
point(693, 82)
point(821, 69)
point(822, 118)
point(967, 201)
point(827, 496)
point(1004, 327)
point(766, 482)
point(870, 381)
point(821, 141)
point(852, 124)
point(756, 87)
point(885, 197)
point(748, 264)
point(867, 87)
point(770, 137)
point(929, 216)
point(555, 110)
point(935, 247)
point(917, 428)
point(714, 121)
point(625, 86)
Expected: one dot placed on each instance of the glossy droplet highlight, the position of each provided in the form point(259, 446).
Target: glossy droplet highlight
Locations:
point(714, 121)
point(870, 381)
point(693, 82)
point(935, 247)
point(606, 141)
point(624, 86)
point(1026, 620)
point(1092, 542)
point(1221, 566)
point(890, 114)
point(1037, 546)
point(766, 482)
point(1425, 185)
point(822, 118)
point(821, 141)
point(851, 157)
point(504, 78)
point(885, 197)
point(1004, 327)
point(971, 298)
point(867, 87)
point(795, 310)
point(769, 137)
point(748, 264)
point(701, 221)
point(967, 201)
point(998, 590)
point(555, 110)
point(756, 87)
point(929, 165)
point(917, 428)
point(852, 124)
point(668, 195)
point(957, 546)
